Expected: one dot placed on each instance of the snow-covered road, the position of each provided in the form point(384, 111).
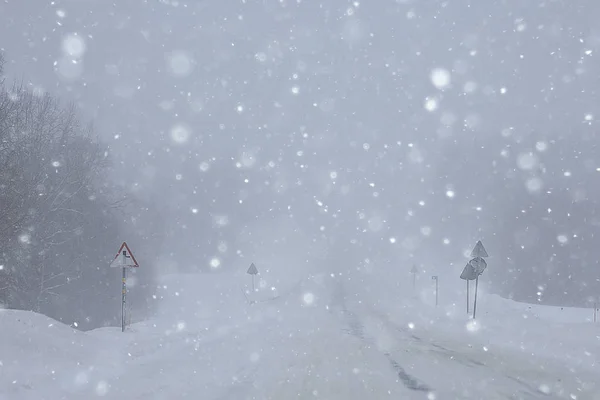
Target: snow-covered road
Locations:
point(438, 364)
point(336, 346)
point(455, 370)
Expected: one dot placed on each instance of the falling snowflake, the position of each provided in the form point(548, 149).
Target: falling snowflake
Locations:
point(534, 185)
point(562, 239)
point(260, 57)
point(204, 166)
point(73, 45)
point(308, 298)
point(25, 238)
point(527, 161)
point(215, 263)
point(440, 78)
point(101, 388)
point(179, 63)
point(180, 133)
point(541, 146)
point(431, 104)
point(473, 326)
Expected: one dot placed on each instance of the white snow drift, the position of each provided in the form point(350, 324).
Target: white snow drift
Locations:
point(324, 337)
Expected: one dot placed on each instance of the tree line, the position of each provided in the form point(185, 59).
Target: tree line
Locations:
point(61, 219)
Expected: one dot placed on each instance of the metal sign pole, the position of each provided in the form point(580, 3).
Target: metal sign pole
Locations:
point(435, 277)
point(477, 266)
point(475, 303)
point(252, 271)
point(124, 291)
point(467, 295)
point(120, 260)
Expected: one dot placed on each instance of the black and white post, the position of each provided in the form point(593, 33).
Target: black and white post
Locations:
point(124, 259)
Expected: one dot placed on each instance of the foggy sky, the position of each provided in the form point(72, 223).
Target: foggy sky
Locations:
point(313, 133)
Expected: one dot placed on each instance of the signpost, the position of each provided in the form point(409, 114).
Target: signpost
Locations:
point(414, 271)
point(466, 280)
point(435, 278)
point(252, 271)
point(478, 265)
point(468, 274)
point(124, 259)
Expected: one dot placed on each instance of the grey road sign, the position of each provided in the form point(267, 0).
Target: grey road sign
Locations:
point(252, 270)
point(468, 273)
point(479, 250)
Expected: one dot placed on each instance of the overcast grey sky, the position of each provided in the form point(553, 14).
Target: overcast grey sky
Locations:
point(327, 133)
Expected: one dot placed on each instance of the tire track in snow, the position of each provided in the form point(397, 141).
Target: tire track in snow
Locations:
point(409, 381)
point(526, 390)
point(356, 329)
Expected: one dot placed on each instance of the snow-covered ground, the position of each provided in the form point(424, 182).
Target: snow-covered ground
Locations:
point(323, 337)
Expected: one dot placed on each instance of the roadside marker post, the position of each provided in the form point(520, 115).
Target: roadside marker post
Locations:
point(473, 269)
point(414, 271)
point(124, 259)
point(252, 271)
point(479, 265)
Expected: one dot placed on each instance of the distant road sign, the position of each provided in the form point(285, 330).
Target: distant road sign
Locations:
point(127, 261)
point(479, 250)
point(468, 273)
point(473, 269)
point(252, 270)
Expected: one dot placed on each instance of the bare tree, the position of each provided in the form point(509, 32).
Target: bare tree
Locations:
point(60, 216)
point(1, 67)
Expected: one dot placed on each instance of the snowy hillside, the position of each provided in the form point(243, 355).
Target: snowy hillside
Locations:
point(323, 338)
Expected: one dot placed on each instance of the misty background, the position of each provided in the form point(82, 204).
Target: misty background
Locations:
point(299, 135)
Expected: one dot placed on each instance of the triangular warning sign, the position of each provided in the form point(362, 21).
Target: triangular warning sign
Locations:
point(469, 273)
point(124, 258)
point(479, 250)
point(252, 270)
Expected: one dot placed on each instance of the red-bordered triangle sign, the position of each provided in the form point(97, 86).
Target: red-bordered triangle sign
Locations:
point(130, 259)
